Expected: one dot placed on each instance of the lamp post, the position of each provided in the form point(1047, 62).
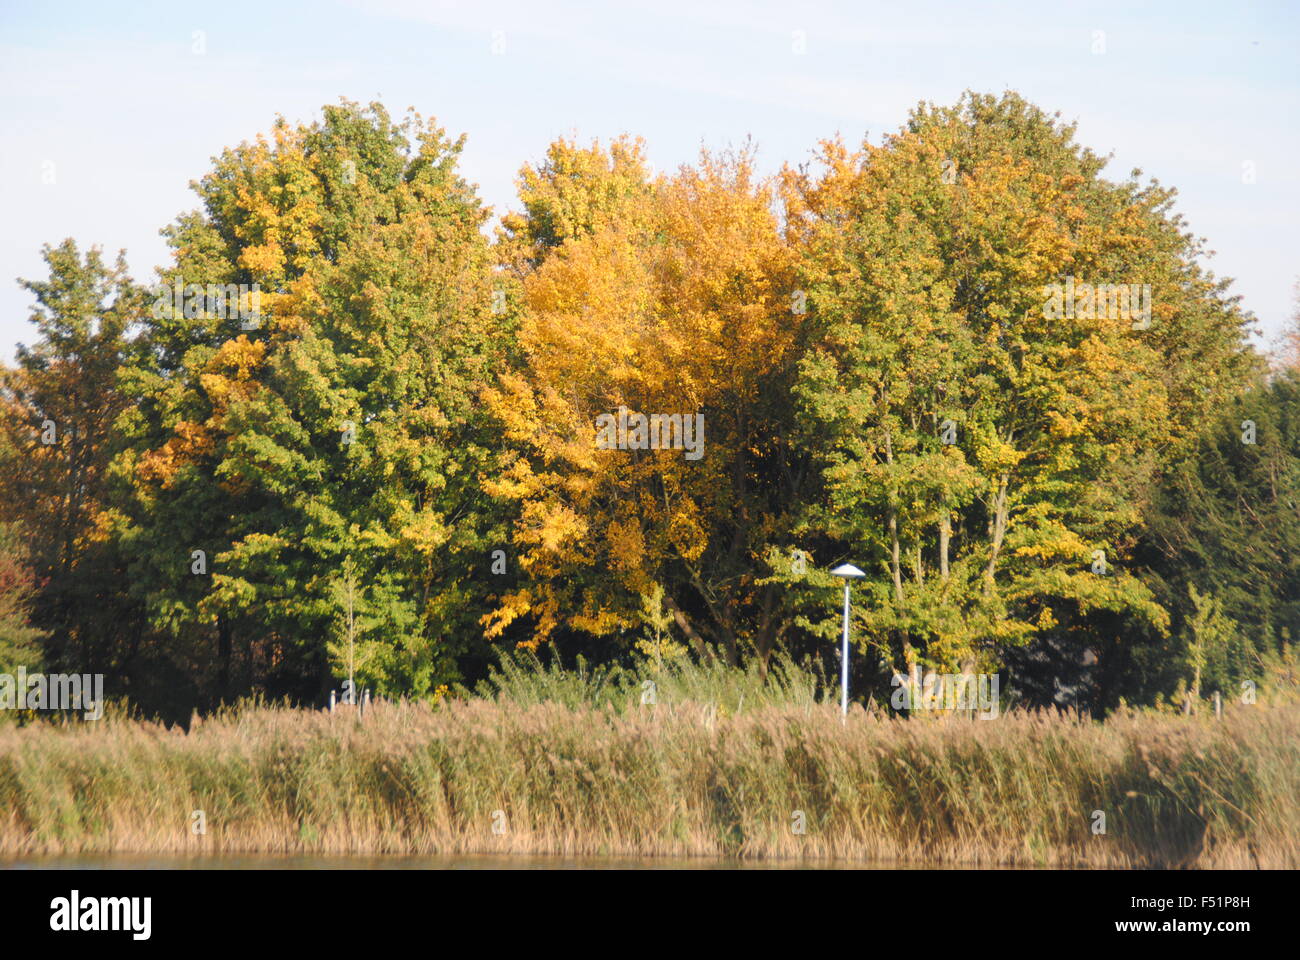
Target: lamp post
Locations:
point(850, 573)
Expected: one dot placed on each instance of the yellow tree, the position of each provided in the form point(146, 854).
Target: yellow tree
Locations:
point(679, 307)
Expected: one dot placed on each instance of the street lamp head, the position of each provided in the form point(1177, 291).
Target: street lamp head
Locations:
point(848, 571)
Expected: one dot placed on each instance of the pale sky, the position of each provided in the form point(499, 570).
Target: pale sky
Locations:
point(125, 104)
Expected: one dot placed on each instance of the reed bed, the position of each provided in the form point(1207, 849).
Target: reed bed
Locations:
point(679, 778)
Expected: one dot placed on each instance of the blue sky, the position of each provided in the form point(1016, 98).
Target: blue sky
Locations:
point(127, 110)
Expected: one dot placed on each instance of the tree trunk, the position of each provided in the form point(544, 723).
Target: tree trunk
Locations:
point(223, 658)
point(895, 557)
point(945, 538)
point(997, 531)
point(764, 639)
point(701, 648)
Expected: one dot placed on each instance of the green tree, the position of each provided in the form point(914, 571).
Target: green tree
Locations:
point(58, 405)
point(1210, 638)
point(573, 193)
point(1224, 520)
point(341, 421)
point(984, 452)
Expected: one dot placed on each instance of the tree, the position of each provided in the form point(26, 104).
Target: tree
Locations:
point(679, 307)
point(346, 657)
point(1288, 353)
point(1224, 521)
point(574, 192)
point(342, 419)
point(19, 640)
point(1210, 635)
point(659, 643)
point(986, 451)
point(57, 410)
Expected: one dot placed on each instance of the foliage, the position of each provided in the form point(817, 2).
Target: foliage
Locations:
point(58, 405)
point(929, 261)
point(352, 435)
point(679, 308)
point(19, 641)
point(342, 422)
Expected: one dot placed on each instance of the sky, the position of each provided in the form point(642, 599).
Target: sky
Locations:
point(110, 110)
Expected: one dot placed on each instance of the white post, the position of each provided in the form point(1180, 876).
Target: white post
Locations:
point(844, 657)
point(850, 573)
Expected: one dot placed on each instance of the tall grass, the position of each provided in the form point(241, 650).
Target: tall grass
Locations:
point(571, 762)
point(523, 679)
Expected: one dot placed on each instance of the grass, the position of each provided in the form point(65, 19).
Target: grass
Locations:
point(572, 763)
point(524, 679)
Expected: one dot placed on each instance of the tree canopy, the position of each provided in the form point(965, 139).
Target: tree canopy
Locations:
point(349, 431)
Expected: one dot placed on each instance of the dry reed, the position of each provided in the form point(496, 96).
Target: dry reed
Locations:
point(672, 779)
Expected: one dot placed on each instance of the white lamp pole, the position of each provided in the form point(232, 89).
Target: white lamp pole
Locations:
point(844, 657)
point(849, 573)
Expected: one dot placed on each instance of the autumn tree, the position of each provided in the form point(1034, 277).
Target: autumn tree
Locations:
point(58, 405)
point(19, 640)
point(668, 296)
point(353, 437)
point(574, 192)
point(335, 415)
point(985, 452)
